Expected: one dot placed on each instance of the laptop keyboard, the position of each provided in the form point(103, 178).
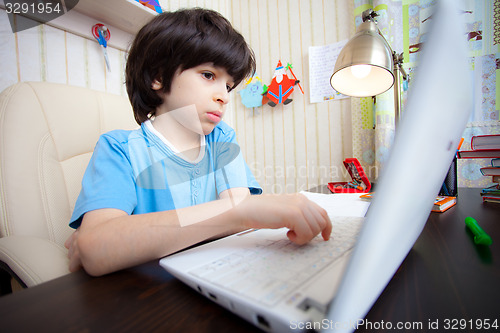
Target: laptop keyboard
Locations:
point(269, 271)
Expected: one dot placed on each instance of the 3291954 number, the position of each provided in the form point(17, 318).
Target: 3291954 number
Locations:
point(32, 8)
point(473, 324)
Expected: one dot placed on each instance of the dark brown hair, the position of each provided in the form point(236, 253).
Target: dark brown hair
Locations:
point(182, 40)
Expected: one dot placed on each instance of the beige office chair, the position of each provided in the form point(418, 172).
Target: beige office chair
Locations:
point(47, 134)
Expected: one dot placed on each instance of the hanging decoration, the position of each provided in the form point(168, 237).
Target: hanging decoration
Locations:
point(251, 95)
point(151, 4)
point(281, 87)
point(102, 34)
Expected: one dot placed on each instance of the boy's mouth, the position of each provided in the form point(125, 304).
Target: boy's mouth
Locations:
point(214, 116)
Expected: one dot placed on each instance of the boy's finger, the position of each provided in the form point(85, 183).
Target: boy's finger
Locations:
point(327, 232)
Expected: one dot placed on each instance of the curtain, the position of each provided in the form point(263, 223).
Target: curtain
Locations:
point(403, 23)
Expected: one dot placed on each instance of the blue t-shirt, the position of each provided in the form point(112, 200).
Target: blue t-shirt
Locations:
point(135, 171)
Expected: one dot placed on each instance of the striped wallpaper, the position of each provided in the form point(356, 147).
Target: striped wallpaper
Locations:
point(300, 145)
point(290, 148)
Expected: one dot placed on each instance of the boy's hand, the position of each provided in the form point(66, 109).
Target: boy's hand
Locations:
point(73, 252)
point(304, 218)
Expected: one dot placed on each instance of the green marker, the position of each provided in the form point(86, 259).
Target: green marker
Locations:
point(480, 237)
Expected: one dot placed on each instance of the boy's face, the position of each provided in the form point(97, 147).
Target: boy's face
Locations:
point(201, 93)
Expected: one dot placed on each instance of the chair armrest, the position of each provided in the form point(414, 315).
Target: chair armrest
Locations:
point(34, 260)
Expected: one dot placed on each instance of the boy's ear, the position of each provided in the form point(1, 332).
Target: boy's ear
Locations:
point(156, 85)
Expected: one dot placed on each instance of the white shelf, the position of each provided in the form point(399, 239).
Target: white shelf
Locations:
point(126, 15)
point(124, 18)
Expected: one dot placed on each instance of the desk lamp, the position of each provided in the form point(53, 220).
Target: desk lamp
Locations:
point(367, 66)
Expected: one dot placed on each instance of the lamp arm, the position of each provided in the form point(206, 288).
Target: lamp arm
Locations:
point(398, 61)
point(398, 68)
point(403, 72)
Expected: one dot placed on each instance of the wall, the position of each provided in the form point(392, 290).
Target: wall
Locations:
point(300, 145)
point(44, 53)
point(290, 148)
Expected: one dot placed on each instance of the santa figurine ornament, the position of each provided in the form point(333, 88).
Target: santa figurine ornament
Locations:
point(281, 86)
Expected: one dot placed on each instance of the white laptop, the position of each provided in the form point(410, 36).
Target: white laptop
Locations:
point(336, 285)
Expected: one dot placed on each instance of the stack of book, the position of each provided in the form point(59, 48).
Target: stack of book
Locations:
point(487, 146)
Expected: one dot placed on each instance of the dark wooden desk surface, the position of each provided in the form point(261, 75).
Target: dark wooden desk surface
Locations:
point(444, 277)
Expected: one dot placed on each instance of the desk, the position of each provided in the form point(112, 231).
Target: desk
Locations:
point(445, 276)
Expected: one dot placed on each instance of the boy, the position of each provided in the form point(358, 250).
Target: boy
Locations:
point(180, 178)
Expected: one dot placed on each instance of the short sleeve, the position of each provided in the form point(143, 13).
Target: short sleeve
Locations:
point(108, 181)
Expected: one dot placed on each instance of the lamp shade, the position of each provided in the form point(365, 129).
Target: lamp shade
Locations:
point(365, 64)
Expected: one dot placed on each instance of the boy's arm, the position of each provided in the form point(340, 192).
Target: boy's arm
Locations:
point(110, 239)
point(235, 194)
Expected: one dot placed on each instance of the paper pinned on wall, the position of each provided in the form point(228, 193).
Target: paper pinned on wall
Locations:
point(321, 63)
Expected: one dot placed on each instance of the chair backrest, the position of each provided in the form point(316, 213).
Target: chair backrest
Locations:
point(47, 134)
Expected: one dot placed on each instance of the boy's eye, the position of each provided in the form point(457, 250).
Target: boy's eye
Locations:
point(211, 76)
point(208, 75)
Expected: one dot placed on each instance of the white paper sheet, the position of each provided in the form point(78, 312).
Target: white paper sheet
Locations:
point(340, 204)
point(321, 63)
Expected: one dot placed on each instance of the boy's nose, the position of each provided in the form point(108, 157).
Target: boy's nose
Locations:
point(222, 95)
